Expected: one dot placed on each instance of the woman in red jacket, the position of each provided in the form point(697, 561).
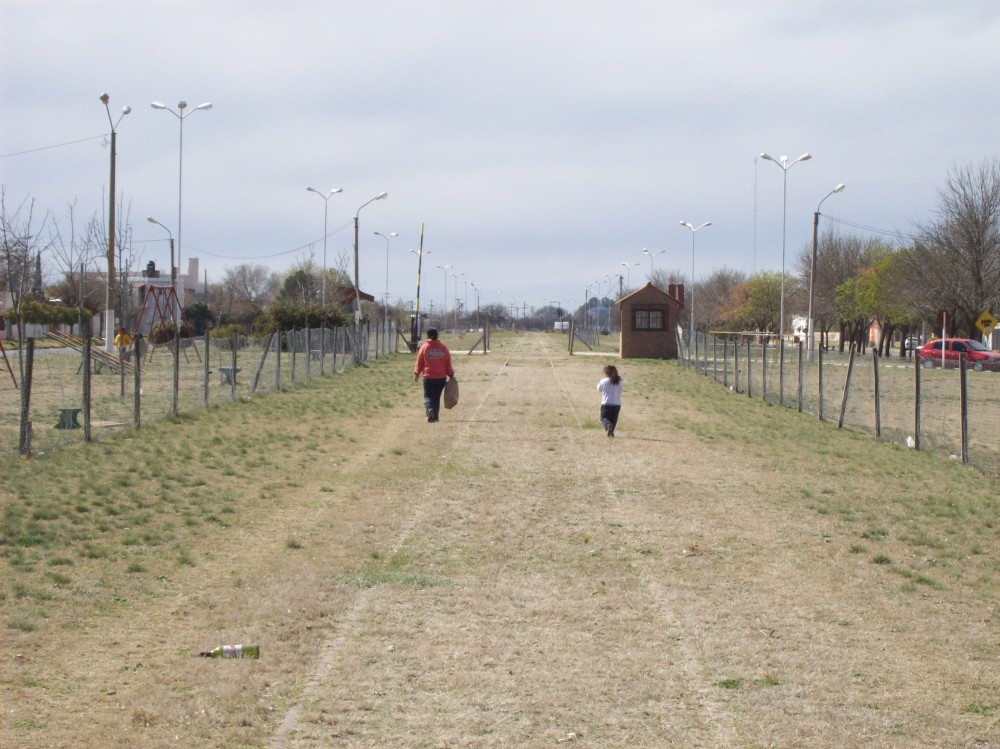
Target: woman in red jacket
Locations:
point(434, 363)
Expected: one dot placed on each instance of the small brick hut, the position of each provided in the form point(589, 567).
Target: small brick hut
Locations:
point(650, 317)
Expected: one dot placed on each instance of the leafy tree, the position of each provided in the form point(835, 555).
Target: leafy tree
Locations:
point(761, 302)
point(839, 259)
point(286, 315)
point(869, 297)
point(198, 315)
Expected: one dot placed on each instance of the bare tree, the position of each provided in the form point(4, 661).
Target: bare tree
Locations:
point(248, 286)
point(20, 257)
point(955, 260)
point(715, 294)
point(19, 248)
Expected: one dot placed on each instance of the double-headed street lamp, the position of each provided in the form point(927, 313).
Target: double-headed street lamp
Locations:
point(444, 311)
point(109, 312)
point(785, 165)
point(691, 293)
point(651, 256)
point(386, 238)
point(628, 273)
point(357, 291)
point(810, 342)
point(180, 114)
point(326, 204)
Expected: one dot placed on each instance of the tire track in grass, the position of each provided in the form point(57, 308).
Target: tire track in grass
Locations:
point(364, 600)
point(613, 513)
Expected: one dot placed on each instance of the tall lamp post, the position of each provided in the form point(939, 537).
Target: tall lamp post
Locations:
point(386, 238)
point(785, 165)
point(176, 321)
point(456, 277)
point(651, 256)
point(628, 273)
point(476, 289)
point(181, 115)
point(109, 312)
point(326, 205)
point(810, 341)
point(444, 311)
point(357, 291)
point(691, 295)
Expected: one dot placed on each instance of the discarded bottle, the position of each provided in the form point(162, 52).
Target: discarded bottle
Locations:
point(233, 651)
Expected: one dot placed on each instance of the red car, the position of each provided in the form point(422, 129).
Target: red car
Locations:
point(977, 355)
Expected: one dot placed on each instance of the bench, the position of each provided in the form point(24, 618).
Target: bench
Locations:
point(67, 418)
point(228, 376)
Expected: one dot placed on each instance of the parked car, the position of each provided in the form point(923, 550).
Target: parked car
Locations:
point(949, 350)
point(911, 343)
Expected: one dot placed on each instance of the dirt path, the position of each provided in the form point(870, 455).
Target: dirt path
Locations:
point(511, 577)
point(644, 591)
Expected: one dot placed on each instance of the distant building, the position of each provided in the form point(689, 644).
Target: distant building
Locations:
point(649, 318)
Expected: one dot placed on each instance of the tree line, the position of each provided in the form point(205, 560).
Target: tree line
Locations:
point(947, 273)
point(944, 275)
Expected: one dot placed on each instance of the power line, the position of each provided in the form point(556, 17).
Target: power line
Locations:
point(872, 229)
point(268, 255)
point(58, 145)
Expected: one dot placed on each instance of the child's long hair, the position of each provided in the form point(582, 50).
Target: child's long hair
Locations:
point(611, 372)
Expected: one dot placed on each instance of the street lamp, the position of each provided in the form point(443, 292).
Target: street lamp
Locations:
point(785, 165)
point(109, 313)
point(455, 276)
point(810, 342)
point(386, 238)
point(628, 273)
point(651, 256)
point(691, 294)
point(180, 114)
point(476, 289)
point(444, 312)
point(357, 292)
point(176, 321)
point(326, 204)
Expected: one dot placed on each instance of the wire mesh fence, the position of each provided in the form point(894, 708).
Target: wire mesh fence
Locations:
point(77, 393)
point(911, 401)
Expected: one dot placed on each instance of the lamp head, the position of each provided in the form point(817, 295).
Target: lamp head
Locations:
point(105, 99)
point(158, 105)
point(206, 105)
point(126, 110)
point(767, 157)
point(840, 188)
point(393, 234)
point(382, 196)
point(182, 104)
point(152, 220)
point(804, 157)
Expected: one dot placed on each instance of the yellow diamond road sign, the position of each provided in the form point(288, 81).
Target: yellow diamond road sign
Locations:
point(986, 322)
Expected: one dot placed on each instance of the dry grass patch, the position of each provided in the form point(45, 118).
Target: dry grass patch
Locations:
point(508, 577)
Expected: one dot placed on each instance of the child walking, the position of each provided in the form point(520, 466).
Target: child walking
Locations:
point(610, 388)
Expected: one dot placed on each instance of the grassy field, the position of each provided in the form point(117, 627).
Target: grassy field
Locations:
point(940, 402)
point(57, 384)
point(724, 573)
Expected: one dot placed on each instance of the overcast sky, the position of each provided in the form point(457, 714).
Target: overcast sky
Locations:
point(542, 144)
